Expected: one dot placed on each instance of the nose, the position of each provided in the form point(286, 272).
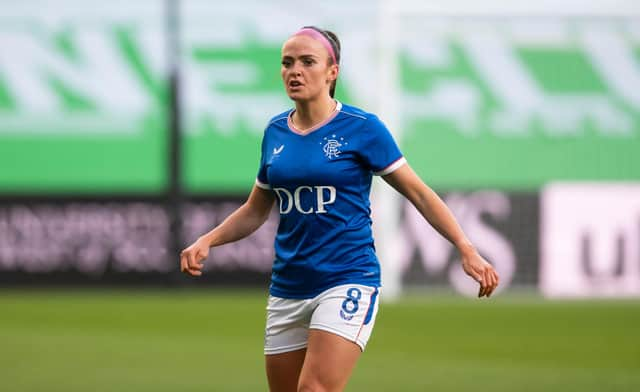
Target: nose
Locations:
point(296, 68)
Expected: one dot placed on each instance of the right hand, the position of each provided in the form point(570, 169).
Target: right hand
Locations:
point(191, 257)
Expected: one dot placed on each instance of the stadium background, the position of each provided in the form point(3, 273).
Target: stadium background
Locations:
point(127, 129)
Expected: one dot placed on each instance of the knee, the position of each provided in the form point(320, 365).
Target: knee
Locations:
point(306, 385)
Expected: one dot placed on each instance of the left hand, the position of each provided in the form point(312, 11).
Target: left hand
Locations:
point(480, 270)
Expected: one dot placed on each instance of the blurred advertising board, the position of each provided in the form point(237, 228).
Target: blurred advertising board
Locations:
point(586, 236)
point(120, 241)
point(502, 226)
point(590, 240)
point(126, 241)
point(497, 102)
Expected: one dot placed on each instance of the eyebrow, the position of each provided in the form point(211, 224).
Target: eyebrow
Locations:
point(301, 56)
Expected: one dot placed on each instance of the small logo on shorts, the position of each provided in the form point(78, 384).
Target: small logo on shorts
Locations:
point(345, 316)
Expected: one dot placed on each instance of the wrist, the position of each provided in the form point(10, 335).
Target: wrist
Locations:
point(206, 239)
point(466, 248)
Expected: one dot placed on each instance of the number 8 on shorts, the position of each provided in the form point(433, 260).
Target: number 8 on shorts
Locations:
point(350, 304)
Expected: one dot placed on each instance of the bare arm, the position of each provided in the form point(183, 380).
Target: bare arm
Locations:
point(242, 222)
point(436, 212)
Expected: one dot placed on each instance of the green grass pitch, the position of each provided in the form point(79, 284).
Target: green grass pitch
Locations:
point(211, 340)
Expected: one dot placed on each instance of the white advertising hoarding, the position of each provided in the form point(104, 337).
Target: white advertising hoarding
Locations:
point(590, 240)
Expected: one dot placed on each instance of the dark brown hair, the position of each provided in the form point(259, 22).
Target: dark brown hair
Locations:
point(335, 44)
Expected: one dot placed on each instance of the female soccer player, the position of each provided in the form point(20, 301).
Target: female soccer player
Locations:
point(317, 162)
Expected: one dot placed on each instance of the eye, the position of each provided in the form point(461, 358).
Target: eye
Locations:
point(308, 62)
point(286, 63)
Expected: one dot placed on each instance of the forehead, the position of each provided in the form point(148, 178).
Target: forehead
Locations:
point(300, 45)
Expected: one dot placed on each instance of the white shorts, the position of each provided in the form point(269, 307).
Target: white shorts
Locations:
point(348, 311)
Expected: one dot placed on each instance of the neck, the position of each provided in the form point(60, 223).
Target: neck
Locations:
point(310, 113)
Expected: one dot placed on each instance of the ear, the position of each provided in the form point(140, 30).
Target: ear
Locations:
point(334, 70)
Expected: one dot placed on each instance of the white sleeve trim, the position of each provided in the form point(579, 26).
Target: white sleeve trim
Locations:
point(392, 167)
point(263, 185)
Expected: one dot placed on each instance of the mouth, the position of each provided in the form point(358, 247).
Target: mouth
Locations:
point(294, 84)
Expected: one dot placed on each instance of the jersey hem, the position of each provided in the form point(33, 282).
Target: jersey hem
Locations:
point(275, 292)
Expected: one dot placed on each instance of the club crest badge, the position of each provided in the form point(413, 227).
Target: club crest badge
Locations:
point(332, 145)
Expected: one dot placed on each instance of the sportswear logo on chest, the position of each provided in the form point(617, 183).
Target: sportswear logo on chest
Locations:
point(278, 150)
point(331, 147)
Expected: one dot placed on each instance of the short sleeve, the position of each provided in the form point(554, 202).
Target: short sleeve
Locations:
point(380, 152)
point(261, 178)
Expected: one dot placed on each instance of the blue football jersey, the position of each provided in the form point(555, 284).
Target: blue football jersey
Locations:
point(322, 180)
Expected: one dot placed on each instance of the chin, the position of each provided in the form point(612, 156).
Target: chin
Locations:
point(297, 97)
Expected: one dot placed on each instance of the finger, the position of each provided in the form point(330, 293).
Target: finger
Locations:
point(494, 276)
point(200, 257)
point(476, 275)
point(490, 282)
point(194, 272)
point(481, 281)
point(197, 262)
point(491, 285)
point(183, 263)
point(191, 259)
point(482, 288)
point(486, 283)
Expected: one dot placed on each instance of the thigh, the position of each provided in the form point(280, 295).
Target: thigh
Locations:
point(285, 341)
point(283, 370)
point(338, 333)
point(328, 363)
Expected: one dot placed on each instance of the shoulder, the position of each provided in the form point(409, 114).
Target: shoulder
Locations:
point(368, 119)
point(355, 112)
point(278, 118)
